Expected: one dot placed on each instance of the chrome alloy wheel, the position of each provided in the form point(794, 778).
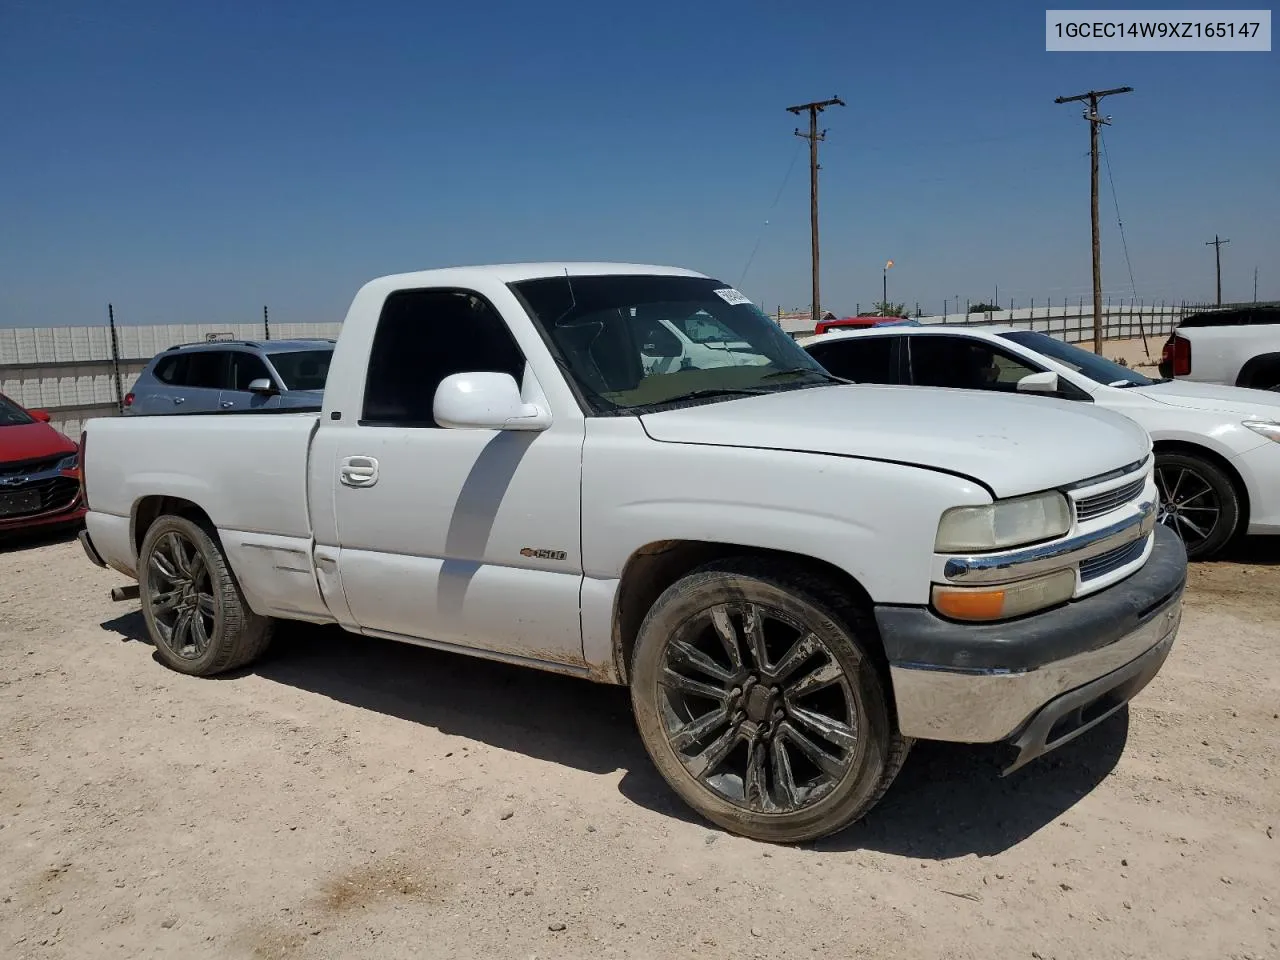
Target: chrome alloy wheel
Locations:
point(757, 708)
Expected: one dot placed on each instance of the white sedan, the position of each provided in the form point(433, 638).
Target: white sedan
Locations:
point(1217, 448)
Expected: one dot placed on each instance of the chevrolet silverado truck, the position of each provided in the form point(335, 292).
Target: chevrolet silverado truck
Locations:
point(1239, 347)
point(797, 576)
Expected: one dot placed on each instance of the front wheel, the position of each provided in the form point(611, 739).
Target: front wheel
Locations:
point(195, 613)
point(758, 701)
point(1198, 502)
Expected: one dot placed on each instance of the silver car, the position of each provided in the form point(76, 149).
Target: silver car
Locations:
point(231, 375)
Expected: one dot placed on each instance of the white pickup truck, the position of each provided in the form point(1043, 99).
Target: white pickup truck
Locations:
point(1238, 347)
point(795, 575)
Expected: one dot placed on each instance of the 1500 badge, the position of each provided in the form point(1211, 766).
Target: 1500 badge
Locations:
point(542, 554)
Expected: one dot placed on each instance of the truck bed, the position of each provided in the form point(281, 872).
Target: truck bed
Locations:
point(249, 474)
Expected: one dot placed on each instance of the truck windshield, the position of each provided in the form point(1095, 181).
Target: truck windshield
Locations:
point(633, 343)
point(12, 415)
point(303, 369)
point(1096, 368)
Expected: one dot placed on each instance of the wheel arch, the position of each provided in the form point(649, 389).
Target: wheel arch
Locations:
point(147, 510)
point(1257, 366)
point(1218, 460)
point(654, 567)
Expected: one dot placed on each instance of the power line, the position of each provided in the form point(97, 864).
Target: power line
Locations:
point(778, 196)
point(1096, 121)
point(1124, 244)
point(1120, 223)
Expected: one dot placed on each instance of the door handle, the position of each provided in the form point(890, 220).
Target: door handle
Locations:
point(228, 404)
point(359, 471)
point(179, 399)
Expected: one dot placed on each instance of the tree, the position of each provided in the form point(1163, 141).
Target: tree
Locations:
point(885, 309)
point(983, 308)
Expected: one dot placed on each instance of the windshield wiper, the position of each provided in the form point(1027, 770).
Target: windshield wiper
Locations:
point(793, 371)
point(714, 392)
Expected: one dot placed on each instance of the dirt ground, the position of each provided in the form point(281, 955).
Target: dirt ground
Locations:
point(354, 798)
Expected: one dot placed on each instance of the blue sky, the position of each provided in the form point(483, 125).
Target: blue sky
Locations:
point(191, 162)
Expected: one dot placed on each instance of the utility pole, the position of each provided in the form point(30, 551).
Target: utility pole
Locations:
point(1095, 121)
point(813, 136)
point(1217, 262)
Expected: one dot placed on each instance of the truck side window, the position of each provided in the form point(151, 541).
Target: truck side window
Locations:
point(424, 336)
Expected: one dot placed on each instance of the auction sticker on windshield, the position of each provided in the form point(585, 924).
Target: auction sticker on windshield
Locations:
point(731, 296)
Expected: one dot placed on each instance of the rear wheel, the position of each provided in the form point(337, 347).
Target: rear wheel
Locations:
point(195, 613)
point(1198, 502)
point(757, 698)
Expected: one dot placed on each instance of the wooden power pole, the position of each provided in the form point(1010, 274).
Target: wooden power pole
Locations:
point(813, 136)
point(1217, 263)
point(1095, 121)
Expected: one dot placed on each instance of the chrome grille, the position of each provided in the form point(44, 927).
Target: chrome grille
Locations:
point(1112, 560)
point(1095, 506)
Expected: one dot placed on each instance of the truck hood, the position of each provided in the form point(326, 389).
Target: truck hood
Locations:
point(1013, 445)
point(1237, 401)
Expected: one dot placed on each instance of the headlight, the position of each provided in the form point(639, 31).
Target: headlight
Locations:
point(70, 463)
point(1007, 600)
point(1267, 428)
point(1005, 523)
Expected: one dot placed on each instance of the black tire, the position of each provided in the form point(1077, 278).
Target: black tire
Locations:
point(686, 615)
point(1197, 485)
point(222, 633)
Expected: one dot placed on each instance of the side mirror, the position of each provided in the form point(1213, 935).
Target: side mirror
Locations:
point(41, 415)
point(485, 401)
point(1039, 383)
point(262, 386)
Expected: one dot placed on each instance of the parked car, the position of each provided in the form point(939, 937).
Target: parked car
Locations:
point(1217, 448)
point(39, 472)
point(232, 375)
point(795, 576)
point(1239, 347)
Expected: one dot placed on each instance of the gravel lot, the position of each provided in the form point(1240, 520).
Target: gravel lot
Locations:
point(356, 798)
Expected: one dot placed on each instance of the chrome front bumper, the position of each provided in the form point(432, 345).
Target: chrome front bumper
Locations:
point(987, 683)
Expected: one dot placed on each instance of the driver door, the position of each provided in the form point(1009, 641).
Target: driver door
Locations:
point(457, 537)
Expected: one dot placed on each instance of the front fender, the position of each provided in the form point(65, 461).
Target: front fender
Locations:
point(876, 521)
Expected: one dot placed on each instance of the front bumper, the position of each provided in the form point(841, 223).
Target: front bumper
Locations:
point(1043, 679)
point(1259, 467)
point(73, 512)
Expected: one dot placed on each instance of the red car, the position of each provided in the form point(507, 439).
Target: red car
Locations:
point(860, 323)
point(39, 472)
